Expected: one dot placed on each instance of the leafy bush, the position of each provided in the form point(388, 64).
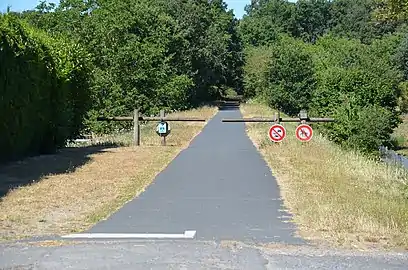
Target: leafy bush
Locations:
point(290, 78)
point(44, 90)
point(361, 128)
point(280, 74)
point(74, 76)
point(358, 85)
point(255, 69)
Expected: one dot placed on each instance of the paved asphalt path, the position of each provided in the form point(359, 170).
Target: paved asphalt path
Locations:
point(219, 187)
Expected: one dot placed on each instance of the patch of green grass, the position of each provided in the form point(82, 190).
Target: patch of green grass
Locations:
point(400, 137)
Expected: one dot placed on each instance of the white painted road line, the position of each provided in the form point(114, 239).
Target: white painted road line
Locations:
point(185, 235)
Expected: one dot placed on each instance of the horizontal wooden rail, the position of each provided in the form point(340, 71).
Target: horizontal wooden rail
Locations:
point(175, 119)
point(136, 118)
point(117, 118)
point(144, 118)
point(270, 120)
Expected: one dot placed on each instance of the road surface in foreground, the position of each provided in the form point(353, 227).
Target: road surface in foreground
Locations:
point(193, 255)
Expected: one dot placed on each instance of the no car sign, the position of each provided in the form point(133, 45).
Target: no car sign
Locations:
point(277, 133)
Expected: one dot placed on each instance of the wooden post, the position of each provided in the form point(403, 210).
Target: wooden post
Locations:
point(276, 117)
point(303, 116)
point(162, 115)
point(136, 128)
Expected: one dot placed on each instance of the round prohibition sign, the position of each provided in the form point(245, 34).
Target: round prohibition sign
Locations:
point(277, 133)
point(304, 133)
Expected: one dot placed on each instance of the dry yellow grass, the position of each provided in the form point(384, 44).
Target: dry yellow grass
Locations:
point(88, 183)
point(337, 197)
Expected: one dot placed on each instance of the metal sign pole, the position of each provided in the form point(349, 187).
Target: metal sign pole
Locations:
point(162, 115)
point(136, 128)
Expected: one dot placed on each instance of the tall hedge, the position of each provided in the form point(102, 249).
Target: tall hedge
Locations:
point(44, 90)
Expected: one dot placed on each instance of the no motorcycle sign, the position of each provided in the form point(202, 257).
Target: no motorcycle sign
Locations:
point(304, 133)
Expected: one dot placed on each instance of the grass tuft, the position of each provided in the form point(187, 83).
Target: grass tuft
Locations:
point(400, 137)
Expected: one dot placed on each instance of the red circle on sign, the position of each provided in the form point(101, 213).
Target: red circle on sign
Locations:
point(277, 133)
point(304, 133)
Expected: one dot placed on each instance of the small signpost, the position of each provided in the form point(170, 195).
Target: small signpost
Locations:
point(163, 129)
point(304, 133)
point(277, 133)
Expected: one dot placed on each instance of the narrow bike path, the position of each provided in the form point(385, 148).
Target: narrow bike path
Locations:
point(219, 187)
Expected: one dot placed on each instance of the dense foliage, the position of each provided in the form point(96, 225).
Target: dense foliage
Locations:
point(44, 90)
point(396, 10)
point(115, 55)
point(289, 76)
point(70, 63)
point(358, 85)
point(338, 61)
point(150, 54)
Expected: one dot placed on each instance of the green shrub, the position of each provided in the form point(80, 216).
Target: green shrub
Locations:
point(74, 74)
point(401, 60)
point(255, 69)
point(361, 128)
point(359, 86)
point(290, 77)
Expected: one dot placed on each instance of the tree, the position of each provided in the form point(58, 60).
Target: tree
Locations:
point(355, 19)
point(311, 19)
point(394, 10)
point(265, 20)
point(162, 54)
point(290, 78)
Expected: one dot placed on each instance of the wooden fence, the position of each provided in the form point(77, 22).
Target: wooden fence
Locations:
point(137, 117)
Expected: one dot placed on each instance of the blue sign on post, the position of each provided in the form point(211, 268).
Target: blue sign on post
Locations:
point(163, 129)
